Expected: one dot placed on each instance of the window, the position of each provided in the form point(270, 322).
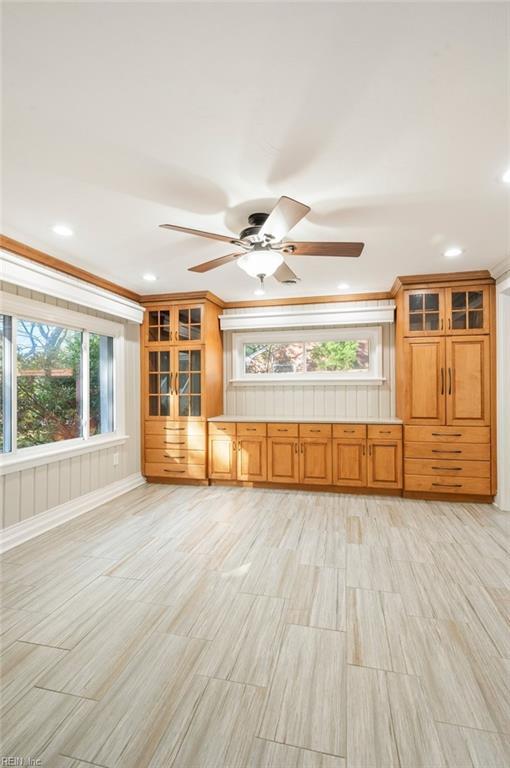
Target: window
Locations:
point(325, 355)
point(57, 383)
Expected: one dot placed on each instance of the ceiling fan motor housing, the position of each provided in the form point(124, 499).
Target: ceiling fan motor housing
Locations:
point(256, 221)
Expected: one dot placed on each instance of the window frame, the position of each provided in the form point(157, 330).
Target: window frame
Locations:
point(18, 307)
point(373, 376)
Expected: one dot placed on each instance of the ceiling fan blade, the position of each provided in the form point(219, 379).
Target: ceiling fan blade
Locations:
point(211, 235)
point(284, 274)
point(323, 249)
point(207, 265)
point(285, 215)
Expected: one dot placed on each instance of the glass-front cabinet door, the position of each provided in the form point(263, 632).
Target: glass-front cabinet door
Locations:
point(189, 383)
point(467, 310)
point(159, 372)
point(158, 328)
point(188, 323)
point(424, 312)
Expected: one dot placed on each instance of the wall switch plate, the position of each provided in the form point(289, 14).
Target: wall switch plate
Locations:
point(115, 459)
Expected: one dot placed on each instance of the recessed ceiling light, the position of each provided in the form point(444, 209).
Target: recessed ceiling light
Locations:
point(453, 252)
point(63, 230)
point(506, 177)
point(343, 286)
point(149, 277)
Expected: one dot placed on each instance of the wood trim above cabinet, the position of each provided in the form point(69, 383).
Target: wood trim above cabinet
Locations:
point(441, 279)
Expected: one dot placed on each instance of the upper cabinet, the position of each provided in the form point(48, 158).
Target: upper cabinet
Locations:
point(451, 311)
point(177, 324)
point(467, 310)
point(424, 312)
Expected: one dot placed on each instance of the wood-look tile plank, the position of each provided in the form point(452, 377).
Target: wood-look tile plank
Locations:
point(369, 567)
point(310, 669)
point(22, 665)
point(317, 598)
point(148, 709)
point(219, 734)
point(376, 627)
point(271, 754)
point(247, 643)
point(91, 668)
point(14, 624)
point(271, 572)
point(469, 748)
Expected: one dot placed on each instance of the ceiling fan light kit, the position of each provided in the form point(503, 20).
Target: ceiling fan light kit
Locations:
point(263, 245)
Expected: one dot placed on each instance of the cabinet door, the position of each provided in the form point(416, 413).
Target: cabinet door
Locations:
point(222, 465)
point(384, 463)
point(187, 324)
point(424, 381)
point(468, 380)
point(424, 312)
point(251, 458)
point(283, 460)
point(158, 373)
point(467, 310)
point(349, 462)
point(187, 383)
point(315, 460)
point(157, 326)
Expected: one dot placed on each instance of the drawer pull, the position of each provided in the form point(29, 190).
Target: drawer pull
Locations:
point(174, 442)
point(174, 470)
point(437, 450)
point(315, 430)
point(282, 430)
point(448, 485)
point(448, 469)
point(385, 431)
point(175, 429)
point(251, 429)
point(222, 429)
point(174, 457)
point(446, 434)
point(349, 431)
point(295, 448)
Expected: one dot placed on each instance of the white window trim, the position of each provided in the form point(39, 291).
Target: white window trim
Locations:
point(25, 458)
point(374, 376)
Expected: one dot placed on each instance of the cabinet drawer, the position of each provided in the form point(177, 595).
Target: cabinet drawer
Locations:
point(175, 427)
point(315, 430)
point(350, 430)
point(191, 471)
point(176, 440)
point(448, 467)
point(447, 484)
point(450, 434)
point(222, 428)
point(174, 456)
point(385, 431)
point(282, 430)
point(455, 451)
point(250, 428)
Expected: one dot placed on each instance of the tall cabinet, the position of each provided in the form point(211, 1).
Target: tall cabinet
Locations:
point(182, 384)
point(446, 383)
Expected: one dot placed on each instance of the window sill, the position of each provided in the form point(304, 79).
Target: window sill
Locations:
point(312, 381)
point(26, 458)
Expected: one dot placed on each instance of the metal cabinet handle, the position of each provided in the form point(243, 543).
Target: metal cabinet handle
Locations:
point(442, 381)
point(295, 447)
point(315, 430)
point(233, 445)
point(363, 449)
point(449, 324)
point(175, 429)
point(222, 429)
point(175, 442)
point(282, 430)
point(437, 450)
point(441, 323)
point(369, 450)
point(174, 470)
point(449, 381)
point(251, 429)
point(302, 448)
point(448, 485)
point(385, 431)
point(447, 434)
point(448, 469)
point(349, 431)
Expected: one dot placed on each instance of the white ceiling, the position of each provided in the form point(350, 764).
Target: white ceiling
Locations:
point(390, 121)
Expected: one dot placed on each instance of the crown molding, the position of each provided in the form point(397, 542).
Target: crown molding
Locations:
point(501, 267)
point(438, 278)
point(157, 298)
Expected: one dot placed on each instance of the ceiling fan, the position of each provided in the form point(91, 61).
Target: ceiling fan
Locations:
point(263, 245)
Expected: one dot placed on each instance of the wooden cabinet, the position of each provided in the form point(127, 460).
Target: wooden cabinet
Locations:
point(384, 463)
point(251, 458)
point(424, 312)
point(182, 385)
point(283, 459)
point(424, 377)
point(350, 462)
point(468, 380)
point(315, 461)
point(467, 310)
point(221, 457)
point(174, 324)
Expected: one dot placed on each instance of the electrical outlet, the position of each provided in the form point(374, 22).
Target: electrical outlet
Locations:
point(115, 459)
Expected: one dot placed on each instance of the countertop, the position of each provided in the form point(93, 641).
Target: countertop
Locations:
point(307, 419)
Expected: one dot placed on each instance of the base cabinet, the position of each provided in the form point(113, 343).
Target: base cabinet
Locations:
point(283, 460)
point(350, 462)
point(384, 463)
point(222, 465)
point(251, 458)
point(315, 461)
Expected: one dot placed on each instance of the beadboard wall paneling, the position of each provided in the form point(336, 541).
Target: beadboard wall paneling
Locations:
point(356, 401)
point(29, 492)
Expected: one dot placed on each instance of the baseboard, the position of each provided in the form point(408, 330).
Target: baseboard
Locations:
point(20, 532)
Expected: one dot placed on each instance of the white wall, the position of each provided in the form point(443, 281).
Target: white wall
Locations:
point(318, 400)
point(29, 492)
